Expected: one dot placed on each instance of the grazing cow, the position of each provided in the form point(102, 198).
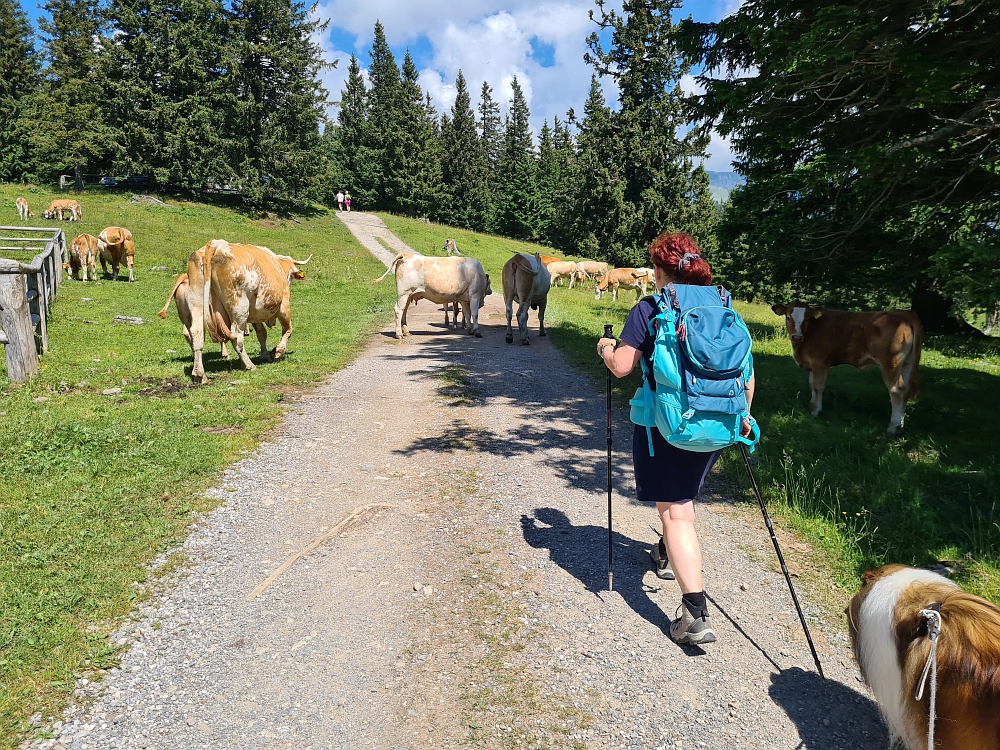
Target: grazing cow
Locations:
point(247, 284)
point(115, 245)
point(589, 269)
point(889, 340)
point(451, 247)
point(83, 256)
point(219, 332)
point(23, 212)
point(546, 259)
point(441, 280)
point(61, 207)
point(562, 269)
point(526, 281)
point(625, 278)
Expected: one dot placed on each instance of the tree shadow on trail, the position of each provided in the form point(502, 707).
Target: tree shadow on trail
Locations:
point(826, 713)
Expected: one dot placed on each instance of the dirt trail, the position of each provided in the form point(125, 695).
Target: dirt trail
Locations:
point(475, 611)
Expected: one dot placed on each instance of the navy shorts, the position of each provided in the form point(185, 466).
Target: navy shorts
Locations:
point(672, 475)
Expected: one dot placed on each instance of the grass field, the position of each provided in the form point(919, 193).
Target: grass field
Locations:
point(860, 497)
point(93, 487)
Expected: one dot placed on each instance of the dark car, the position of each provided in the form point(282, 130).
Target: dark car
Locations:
point(108, 181)
point(136, 180)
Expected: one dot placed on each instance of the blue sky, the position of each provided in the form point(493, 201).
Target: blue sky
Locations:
point(542, 42)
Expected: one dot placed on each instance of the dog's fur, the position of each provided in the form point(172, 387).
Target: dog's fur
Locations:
point(890, 642)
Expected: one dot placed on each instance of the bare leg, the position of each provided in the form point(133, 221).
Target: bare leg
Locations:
point(683, 549)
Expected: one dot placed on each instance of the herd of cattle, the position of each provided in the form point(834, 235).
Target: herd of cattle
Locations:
point(230, 287)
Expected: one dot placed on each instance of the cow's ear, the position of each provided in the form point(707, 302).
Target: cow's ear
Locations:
point(779, 309)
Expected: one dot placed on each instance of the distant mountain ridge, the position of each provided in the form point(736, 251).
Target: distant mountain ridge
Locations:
point(727, 180)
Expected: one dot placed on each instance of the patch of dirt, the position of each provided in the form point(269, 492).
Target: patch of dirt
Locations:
point(231, 429)
point(165, 387)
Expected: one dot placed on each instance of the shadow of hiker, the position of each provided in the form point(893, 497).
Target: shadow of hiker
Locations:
point(826, 713)
point(582, 552)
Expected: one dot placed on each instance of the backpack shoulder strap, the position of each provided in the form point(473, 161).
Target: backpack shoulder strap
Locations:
point(725, 296)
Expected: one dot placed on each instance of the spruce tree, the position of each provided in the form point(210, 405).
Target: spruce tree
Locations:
point(517, 211)
point(414, 159)
point(67, 130)
point(280, 103)
point(644, 60)
point(167, 73)
point(18, 79)
point(464, 165)
point(358, 165)
point(549, 177)
point(491, 136)
point(383, 115)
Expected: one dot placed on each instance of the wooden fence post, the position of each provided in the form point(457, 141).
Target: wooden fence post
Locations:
point(15, 320)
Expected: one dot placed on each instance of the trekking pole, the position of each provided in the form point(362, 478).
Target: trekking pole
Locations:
point(609, 334)
point(781, 558)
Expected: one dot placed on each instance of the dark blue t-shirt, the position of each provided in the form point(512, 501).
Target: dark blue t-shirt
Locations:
point(636, 333)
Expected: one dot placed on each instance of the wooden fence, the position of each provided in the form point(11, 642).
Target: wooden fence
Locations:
point(27, 291)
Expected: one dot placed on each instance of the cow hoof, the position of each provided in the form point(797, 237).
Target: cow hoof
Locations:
point(399, 337)
point(509, 339)
point(526, 343)
point(479, 334)
point(542, 334)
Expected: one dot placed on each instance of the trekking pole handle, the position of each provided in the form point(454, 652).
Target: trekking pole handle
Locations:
point(608, 334)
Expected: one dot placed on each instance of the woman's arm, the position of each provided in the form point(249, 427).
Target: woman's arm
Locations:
point(621, 360)
point(751, 383)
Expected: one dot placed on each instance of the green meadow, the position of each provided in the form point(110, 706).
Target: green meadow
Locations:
point(860, 497)
point(93, 487)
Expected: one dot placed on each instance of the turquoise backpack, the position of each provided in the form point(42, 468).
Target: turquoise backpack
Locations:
point(701, 363)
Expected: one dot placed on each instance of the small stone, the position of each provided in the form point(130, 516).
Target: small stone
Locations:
point(130, 319)
point(416, 586)
point(171, 351)
point(826, 722)
point(111, 391)
point(41, 399)
point(428, 590)
point(367, 467)
point(743, 587)
point(160, 268)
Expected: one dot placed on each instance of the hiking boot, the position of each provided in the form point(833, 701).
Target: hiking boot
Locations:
point(661, 566)
point(690, 629)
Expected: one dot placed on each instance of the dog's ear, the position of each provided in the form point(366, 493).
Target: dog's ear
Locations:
point(779, 309)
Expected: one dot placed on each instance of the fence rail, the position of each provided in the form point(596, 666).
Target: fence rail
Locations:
point(27, 291)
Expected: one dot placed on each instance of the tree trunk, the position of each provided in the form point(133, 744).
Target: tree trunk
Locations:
point(993, 321)
point(78, 185)
point(934, 310)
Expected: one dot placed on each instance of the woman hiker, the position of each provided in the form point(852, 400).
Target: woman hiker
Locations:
point(672, 477)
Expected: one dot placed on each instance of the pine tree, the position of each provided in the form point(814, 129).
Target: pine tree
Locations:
point(702, 218)
point(491, 137)
point(646, 63)
point(464, 165)
point(549, 177)
point(383, 112)
point(67, 130)
point(517, 211)
point(280, 103)
point(18, 79)
point(562, 231)
point(414, 178)
point(167, 74)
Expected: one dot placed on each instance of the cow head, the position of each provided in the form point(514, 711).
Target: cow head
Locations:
point(488, 292)
point(48, 214)
point(797, 318)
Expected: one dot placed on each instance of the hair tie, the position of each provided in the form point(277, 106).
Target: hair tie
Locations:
point(686, 261)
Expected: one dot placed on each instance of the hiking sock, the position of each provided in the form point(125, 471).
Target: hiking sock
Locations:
point(663, 549)
point(696, 604)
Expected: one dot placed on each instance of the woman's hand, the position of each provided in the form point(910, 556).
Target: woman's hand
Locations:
point(607, 344)
point(747, 428)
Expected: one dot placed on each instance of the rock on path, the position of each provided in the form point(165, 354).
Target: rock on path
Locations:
point(475, 610)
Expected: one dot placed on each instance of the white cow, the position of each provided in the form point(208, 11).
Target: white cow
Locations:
point(526, 281)
point(562, 269)
point(441, 280)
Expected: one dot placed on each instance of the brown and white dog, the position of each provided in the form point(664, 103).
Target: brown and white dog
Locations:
point(23, 212)
point(891, 644)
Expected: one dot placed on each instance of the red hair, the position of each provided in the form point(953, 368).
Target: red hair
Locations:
point(676, 253)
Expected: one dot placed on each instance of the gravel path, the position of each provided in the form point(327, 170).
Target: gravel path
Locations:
point(475, 610)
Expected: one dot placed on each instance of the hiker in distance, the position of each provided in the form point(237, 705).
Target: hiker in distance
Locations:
point(671, 473)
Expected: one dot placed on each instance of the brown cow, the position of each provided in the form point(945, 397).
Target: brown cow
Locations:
point(179, 294)
point(61, 206)
point(546, 259)
point(23, 212)
point(252, 285)
point(889, 340)
point(115, 244)
point(626, 278)
point(83, 256)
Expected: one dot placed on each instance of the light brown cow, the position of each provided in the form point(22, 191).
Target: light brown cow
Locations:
point(83, 257)
point(525, 281)
point(546, 259)
point(179, 294)
point(589, 269)
point(562, 269)
point(624, 278)
point(23, 212)
point(441, 280)
point(889, 340)
point(61, 207)
point(115, 245)
point(252, 285)
point(451, 247)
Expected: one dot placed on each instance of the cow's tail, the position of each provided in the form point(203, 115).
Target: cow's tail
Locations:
point(182, 279)
point(392, 267)
point(913, 390)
